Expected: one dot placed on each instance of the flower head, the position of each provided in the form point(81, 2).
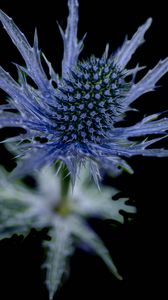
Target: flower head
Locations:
point(89, 101)
point(77, 121)
point(23, 208)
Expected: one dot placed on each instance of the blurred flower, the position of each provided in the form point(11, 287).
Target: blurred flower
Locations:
point(77, 121)
point(23, 208)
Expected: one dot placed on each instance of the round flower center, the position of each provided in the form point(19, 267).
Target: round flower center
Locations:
point(89, 100)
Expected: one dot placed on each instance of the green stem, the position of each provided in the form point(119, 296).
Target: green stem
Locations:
point(63, 207)
point(65, 182)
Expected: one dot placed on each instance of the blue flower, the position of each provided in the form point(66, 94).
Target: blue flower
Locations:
point(77, 121)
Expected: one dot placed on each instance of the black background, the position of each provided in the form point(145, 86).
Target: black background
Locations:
point(138, 247)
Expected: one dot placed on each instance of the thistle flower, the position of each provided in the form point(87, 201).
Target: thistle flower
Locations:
point(22, 208)
point(77, 121)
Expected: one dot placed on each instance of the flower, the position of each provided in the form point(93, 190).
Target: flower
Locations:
point(78, 120)
point(23, 208)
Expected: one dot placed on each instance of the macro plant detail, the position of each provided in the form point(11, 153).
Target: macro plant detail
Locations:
point(73, 129)
point(76, 121)
point(88, 102)
point(22, 208)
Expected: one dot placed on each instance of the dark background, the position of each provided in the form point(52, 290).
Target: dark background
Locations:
point(138, 247)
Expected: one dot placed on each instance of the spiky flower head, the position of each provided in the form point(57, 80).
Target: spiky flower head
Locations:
point(89, 101)
point(77, 121)
point(22, 208)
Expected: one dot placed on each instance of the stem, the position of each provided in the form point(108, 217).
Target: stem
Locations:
point(65, 182)
point(64, 208)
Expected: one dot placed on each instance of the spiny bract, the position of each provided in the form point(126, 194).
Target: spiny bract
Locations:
point(22, 208)
point(76, 121)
